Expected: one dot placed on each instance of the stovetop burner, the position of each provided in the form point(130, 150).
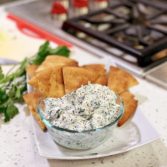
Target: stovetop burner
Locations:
point(138, 27)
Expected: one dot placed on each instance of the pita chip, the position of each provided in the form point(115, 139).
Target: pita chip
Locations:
point(32, 99)
point(100, 70)
point(56, 83)
point(54, 61)
point(41, 81)
point(37, 118)
point(120, 80)
point(75, 77)
point(130, 105)
point(31, 70)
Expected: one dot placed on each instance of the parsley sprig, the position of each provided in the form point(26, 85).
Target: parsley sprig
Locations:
point(13, 85)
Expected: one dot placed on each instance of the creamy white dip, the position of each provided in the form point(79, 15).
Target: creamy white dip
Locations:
point(89, 107)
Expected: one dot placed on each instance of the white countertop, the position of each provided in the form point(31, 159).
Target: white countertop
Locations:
point(17, 145)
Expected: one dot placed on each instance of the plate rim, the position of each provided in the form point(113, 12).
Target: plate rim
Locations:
point(92, 156)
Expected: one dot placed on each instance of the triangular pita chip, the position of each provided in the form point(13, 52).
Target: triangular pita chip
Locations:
point(32, 99)
point(56, 83)
point(31, 70)
point(120, 80)
point(100, 70)
point(37, 118)
point(49, 82)
point(75, 77)
point(54, 61)
point(41, 81)
point(130, 105)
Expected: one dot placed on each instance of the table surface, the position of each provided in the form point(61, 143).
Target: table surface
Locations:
point(17, 145)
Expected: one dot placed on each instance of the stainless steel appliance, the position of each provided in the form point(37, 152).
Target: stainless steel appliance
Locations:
point(129, 31)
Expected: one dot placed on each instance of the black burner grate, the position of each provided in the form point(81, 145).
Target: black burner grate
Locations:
point(137, 27)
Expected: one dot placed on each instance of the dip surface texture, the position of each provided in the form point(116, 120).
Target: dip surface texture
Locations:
point(89, 107)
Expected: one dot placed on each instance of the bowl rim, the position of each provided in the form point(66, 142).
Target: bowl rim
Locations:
point(48, 124)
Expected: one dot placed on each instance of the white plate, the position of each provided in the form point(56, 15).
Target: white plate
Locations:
point(135, 133)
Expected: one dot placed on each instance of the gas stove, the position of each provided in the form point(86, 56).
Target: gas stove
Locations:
point(132, 32)
point(139, 28)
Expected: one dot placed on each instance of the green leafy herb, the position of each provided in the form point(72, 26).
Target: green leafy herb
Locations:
point(13, 85)
point(46, 50)
point(11, 111)
point(7, 106)
point(19, 72)
point(41, 54)
point(1, 74)
point(60, 50)
point(3, 96)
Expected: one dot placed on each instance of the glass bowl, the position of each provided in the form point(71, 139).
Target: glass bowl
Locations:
point(81, 140)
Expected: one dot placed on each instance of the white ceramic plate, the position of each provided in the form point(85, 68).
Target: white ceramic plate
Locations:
point(135, 133)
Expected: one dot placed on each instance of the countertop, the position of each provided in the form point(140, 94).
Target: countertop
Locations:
point(17, 145)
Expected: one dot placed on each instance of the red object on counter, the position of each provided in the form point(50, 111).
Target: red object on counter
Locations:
point(80, 3)
point(58, 8)
point(36, 32)
point(101, 0)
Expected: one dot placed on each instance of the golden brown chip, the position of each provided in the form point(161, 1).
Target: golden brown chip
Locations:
point(41, 81)
point(130, 105)
point(37, 118)
point(54, 61)
point(100, 70)
point(102, 80)
point(32, 99)
point(74, 77)
point(49, 82)
point(56, 83)
point(120, 80)
point(31, 69)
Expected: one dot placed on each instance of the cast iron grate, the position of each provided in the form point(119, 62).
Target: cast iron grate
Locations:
point(137, 27)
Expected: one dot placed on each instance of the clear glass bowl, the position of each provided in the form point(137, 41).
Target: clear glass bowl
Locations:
point(85, 139)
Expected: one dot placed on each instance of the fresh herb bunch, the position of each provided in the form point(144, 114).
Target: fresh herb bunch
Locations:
point(13, 84)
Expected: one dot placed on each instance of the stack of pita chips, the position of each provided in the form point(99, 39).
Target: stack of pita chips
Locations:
point(57, 76)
